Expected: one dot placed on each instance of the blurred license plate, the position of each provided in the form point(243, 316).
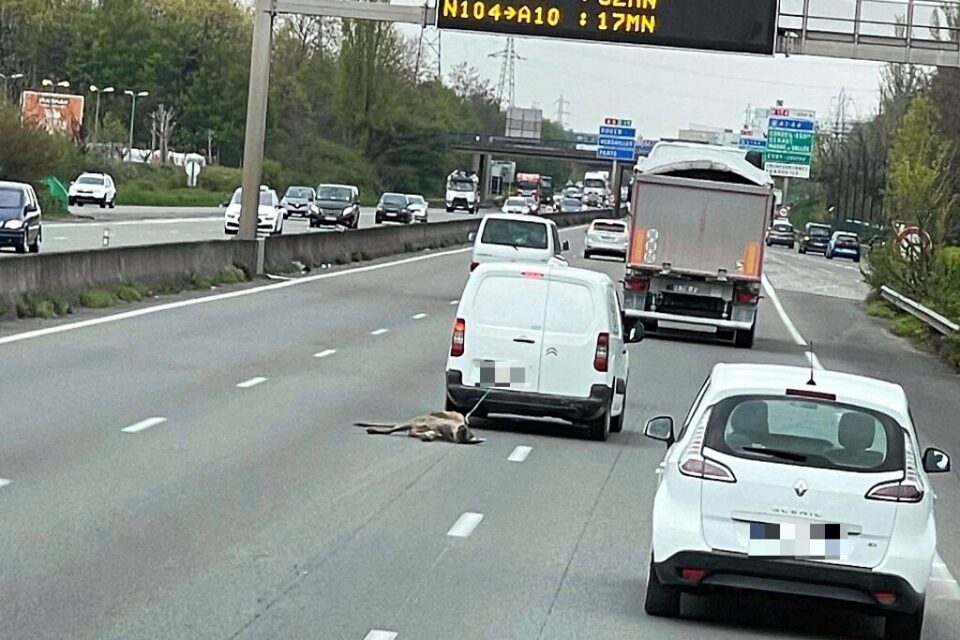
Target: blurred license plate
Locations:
point(330, 218)
point(798, 540)
point(501, 374)
point(686, 288)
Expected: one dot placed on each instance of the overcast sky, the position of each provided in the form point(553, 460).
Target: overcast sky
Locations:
point(663, 90)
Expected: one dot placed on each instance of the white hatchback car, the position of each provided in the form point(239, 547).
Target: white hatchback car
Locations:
point(606, 237)
point(508, 237)
point(270, 213)
point(92, 188)
point(813, 489)
point(542, 341)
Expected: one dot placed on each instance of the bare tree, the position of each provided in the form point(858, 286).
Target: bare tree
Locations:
point(162, 126)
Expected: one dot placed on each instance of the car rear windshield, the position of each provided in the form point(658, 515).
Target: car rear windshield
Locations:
point(342, 194)
point(298, 192)
point(783, 228)
point(415, 199)
point(394, 200)
point(612, 227)
point(847, 239)
point(594, 183)
point(266, 198)
point(90, 180)
point(460, 185)
point(806, 432)
point(819, 231)
point(516, 202)
point(517, 233)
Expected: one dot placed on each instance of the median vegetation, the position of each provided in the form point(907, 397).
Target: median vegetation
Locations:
point(52, 305)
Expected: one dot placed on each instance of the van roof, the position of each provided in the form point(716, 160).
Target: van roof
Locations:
point(517, 216)
point(586, 276)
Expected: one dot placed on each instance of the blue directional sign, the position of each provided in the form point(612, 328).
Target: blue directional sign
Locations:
point(751, 144)
point(645, 147)
point(617, 140)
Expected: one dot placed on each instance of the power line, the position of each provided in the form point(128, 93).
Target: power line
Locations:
point(506, 87)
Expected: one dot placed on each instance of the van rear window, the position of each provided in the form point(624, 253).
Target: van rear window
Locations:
point(570, 308)
point(516, 233)
point(510, 302)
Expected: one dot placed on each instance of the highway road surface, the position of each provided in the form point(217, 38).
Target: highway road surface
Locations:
point(155, 225)
point(192, 472)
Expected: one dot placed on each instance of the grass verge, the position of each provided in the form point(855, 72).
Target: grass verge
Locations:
point(133, 196)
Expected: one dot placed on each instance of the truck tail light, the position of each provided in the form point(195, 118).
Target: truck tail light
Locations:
point(693, 463)
point(747, 297)
point(459, 335)
point(602, 355)
point(908, 489)
point(636, 285)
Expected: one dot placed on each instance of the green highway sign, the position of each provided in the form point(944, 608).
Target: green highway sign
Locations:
point(789, 146)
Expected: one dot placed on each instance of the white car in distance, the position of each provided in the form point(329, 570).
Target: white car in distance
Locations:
point(806, 484)
point(269, 213)
point(92, 188)
point(516, 204)
point(606, 237)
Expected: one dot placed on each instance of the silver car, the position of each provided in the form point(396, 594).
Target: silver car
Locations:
point(606, 237)
point(418, 205)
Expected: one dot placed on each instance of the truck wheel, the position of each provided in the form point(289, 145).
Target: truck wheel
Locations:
point(649, 325)
point(744, 338)
point(616, 422)
point(448, 405)
point(586, 254)
point(904, 626)
point(662, 600)
point(449, 209)
point(801, 249)
point(600, 427)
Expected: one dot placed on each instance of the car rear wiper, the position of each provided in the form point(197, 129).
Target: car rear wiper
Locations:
point(777, 453)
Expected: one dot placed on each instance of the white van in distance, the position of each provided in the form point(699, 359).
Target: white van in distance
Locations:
point(508, 237)
point(544, 341)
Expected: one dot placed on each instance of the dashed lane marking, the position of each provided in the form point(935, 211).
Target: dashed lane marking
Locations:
point(465, 525)
point(519, 453)
point(4, 482)
point(378, 332)
point(377, 634)
point(325, 353)
point(419, 316)
point(143, 424)
point(252, 382)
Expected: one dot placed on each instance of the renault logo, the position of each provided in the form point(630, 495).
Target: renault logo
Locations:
point(800, 488)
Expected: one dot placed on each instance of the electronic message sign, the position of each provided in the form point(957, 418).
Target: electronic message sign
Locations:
point(744, 26)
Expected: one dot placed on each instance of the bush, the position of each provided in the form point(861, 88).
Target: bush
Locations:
point(132, 292)
point(231, 275)
point(200, 282)
point(950, 348)
point(909, 327)
point(98, 299)
point(32, 306)
point(882, 310)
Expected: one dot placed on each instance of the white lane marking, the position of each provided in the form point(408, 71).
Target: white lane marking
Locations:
point(454, 302)
point(123, 223)
point(378, 332)
point(325, 353)
point(788, 323)
point(419, 316)
point(519, 453)
point(377, 634)
point(143, 424)
point(943, 586)
point(126, 315)
point(59, 238)
point(4, 482)
point(252, 382)
point(465, 525)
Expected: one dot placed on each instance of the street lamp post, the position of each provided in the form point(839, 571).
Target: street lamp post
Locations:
point(6, 80)
point(61, 84)
point(133, 112)
point(96, 111)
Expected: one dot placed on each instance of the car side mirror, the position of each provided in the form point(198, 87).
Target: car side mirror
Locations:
point(30, 208)
point(565, 246)
point(472, 236)
point(660, 428)
point(633, 332)
point(935, 461)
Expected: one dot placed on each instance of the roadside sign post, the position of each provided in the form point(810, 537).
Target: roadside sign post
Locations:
point(192, 164)
point(617, 141)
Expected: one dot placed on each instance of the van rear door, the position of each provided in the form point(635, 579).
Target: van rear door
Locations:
point(573, 314)
point(504, 330)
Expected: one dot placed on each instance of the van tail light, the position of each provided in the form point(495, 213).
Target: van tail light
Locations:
point(694, 464)
point(601, 358)
point(636, 285)
point(459, 335)
point(908, 489)
point(885, 598)
point(474, 265)
point(692, 574)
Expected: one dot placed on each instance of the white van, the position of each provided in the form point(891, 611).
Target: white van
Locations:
point(507, 237)
point(549, 340)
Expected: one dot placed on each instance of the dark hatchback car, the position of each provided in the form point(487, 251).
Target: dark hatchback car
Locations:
point(393, 208)
point(844, 245)
point(20, 221)
point(781, 233)
point(299, 201)
point(815, 238)
point(336, 205)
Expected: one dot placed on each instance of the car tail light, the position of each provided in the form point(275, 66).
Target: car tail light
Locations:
point(459, 335)
point(885, 597)
point(908, 489)
point(694, 464)
point(474, 265)
point(636, 285)
point(691, 574)
point(602, 356)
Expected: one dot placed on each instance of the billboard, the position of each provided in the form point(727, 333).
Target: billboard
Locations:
point(55, 112)
point(524, 123)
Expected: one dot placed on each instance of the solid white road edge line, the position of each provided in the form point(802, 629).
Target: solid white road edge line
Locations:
point(454, 302)
point(378, 332)
point(4, 482)
point(143, 424)
point(519, 453)
point(377, 634)
point(465, 525)
point(788, 323)
point(325, 353)
point(419, 316)
point(252, 382)
point(136, 313)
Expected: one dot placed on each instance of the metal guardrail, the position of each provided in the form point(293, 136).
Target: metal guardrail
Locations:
point(929, 317)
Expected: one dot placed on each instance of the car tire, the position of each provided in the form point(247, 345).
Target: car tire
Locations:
point(35, 247)
point(743, 338)
point(71, 202)
point(103, 203)
point(801, 250)
point(378, 220)
point(792, 246)
point(22, 247)
point(616, 422)
point(828, 255)
point(449, 209)
point(586, 254)
point(450, 405)
point(600, 427)
point(904, 626)
point(113, 203)
point(662, 600)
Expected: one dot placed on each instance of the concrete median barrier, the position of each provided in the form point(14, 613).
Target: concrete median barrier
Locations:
point(156, 266)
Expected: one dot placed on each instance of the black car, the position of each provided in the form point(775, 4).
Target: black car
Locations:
point(337, 205)
point(781, 233)
point(20, 223)
point(393, 208)
point(299, 201)
point(815, 238)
